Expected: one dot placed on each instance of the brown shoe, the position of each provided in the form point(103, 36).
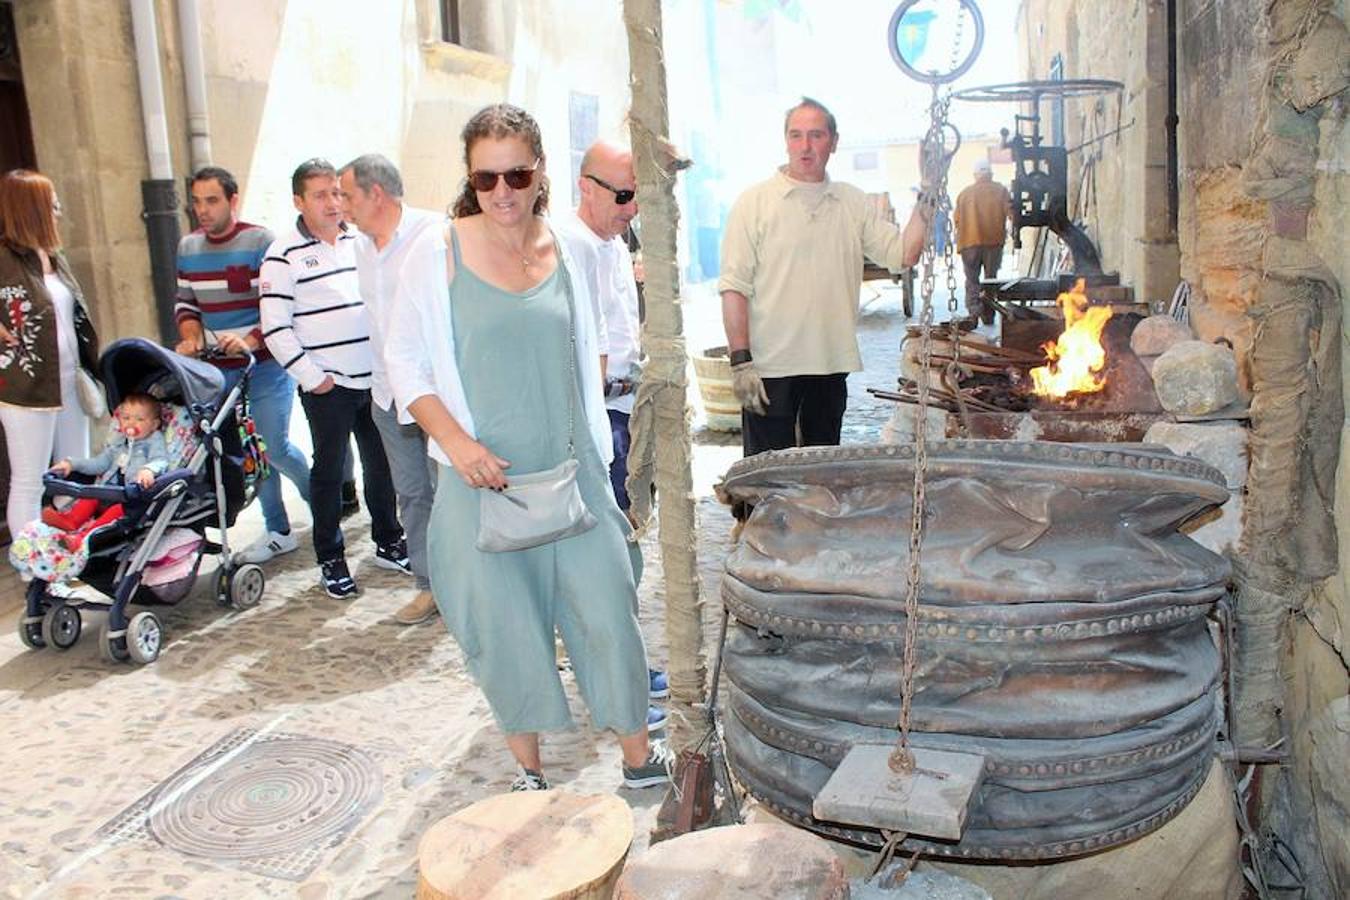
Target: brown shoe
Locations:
point(421, 608)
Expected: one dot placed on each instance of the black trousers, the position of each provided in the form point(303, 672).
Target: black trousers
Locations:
point(334, 418)
point(809, 406)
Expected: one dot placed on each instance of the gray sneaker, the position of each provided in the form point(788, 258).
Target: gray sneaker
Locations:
point(656, 770)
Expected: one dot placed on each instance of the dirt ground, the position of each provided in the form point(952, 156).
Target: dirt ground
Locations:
point(85, 739)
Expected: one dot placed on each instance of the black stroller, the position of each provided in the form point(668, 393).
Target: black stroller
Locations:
point(207, 488)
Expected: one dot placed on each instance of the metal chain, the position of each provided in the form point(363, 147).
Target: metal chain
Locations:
point(902, 758)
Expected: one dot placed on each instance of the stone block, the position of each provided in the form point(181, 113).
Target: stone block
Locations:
point(1155, 335)
point(1194, 378)
point(1330, 737)
point(1221, 444)
point(899, 429)
point(1219, 530)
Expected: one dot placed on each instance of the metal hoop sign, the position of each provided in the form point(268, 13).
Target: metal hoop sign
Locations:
point(908, 35)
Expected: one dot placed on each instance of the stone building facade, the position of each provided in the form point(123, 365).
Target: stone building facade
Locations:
point(1261, 239)
point(285, 81)
point(290, 80)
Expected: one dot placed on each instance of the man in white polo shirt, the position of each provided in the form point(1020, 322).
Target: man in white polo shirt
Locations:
point(315, 324)
point(792, 261)
point(372, 200)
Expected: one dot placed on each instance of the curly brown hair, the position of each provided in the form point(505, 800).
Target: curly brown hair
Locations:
point(501, 120)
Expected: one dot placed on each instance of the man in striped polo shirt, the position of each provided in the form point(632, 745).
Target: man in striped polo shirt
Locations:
point(316, 325)
point(217, 306)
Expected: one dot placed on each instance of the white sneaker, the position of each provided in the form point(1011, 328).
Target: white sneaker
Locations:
point(274, 543)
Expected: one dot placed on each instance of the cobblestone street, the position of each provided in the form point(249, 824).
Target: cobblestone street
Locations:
point(85, 739)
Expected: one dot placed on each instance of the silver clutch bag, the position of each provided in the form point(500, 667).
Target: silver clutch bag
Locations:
point(536, 509)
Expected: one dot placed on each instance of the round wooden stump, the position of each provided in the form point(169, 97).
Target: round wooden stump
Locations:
point(741, 861)
point(546, 844)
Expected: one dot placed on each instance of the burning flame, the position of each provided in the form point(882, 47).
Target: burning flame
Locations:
point(1076, 360)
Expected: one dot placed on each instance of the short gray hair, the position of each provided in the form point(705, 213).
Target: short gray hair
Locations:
point(372, 169)
point(810, 103)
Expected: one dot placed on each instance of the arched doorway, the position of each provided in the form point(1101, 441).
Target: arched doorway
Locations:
point(16, 150)
point(16, 131)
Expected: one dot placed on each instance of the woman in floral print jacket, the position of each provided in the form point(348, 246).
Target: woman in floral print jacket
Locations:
point(45, 333)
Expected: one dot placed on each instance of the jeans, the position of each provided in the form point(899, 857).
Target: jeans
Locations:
point(271, 396)
point(334, 417)
point(414, 475)
point(618, 470)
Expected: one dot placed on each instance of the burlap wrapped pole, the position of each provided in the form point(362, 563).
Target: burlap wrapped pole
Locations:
point(660, 421)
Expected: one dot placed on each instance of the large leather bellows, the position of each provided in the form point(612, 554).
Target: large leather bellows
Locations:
point(1062, 632)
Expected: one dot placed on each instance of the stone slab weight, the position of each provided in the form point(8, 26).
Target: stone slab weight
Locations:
point(932, 801)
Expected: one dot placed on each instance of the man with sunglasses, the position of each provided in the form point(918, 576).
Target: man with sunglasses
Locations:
point(792, 262)
point(595, 235)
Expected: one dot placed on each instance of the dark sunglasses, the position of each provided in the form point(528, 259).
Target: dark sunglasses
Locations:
point(516, 179)
point(621, 196)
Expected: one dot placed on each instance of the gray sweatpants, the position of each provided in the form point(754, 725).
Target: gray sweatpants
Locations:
point(414, 475)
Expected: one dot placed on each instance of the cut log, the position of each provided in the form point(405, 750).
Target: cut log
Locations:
point(741, 861)
point(546, 844)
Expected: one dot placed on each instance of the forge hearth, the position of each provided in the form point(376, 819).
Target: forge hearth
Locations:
point(1062, 632)
point(999, 405)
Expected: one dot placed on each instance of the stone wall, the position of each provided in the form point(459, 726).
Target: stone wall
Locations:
point(290, 80)
point(1125, 42)
point(1263, 162)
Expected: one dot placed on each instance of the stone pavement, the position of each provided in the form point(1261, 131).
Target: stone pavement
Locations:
point(85, 739)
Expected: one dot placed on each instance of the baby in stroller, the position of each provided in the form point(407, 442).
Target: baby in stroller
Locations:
point(141, 456)
point(195, 444)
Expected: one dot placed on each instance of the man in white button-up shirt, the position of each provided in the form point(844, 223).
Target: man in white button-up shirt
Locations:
point(594, 232)
point(372, 200)
point(608, 204)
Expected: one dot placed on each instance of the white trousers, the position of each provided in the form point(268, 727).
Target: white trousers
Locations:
point(35, 439)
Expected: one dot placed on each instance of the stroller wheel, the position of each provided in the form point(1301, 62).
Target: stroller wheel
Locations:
point(30, 632)
point(246, 585)
point(113, 649)
point(145, 636)
point(61, 626)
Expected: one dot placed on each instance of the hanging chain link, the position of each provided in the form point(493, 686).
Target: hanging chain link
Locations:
point(935, 162)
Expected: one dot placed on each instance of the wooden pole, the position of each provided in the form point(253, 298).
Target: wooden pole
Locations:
point(660, 421)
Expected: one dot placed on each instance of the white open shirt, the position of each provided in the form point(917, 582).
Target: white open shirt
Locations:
point(419, 351)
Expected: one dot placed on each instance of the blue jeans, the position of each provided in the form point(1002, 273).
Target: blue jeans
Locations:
point(271, 394)
point(618, 470)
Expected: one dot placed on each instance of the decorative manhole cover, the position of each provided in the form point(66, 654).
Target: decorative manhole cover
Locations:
point(271, 803)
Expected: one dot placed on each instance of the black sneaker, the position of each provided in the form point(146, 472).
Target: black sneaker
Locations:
point(394, 556)
point(337, 581)
point(350, 505)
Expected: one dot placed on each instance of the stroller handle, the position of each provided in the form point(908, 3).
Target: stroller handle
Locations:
point(112, 493)
point(213, 353)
